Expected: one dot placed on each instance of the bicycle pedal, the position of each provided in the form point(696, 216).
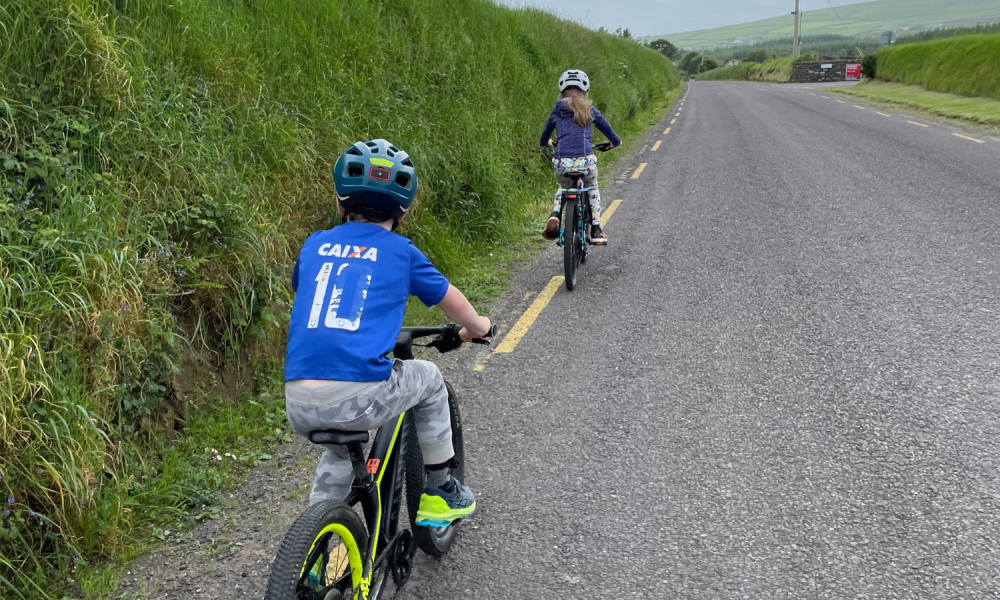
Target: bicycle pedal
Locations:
point(598, 242)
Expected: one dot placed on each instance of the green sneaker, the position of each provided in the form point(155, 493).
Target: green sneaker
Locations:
point(440, 507)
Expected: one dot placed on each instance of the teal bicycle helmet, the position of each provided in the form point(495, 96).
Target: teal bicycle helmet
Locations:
point(375, 179)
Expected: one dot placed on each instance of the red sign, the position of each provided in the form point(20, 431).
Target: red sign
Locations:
point(853, 72)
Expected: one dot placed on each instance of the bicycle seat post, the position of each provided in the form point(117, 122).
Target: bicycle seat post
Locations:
point(357, 452)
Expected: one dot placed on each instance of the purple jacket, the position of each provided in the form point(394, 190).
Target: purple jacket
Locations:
point(574, 141)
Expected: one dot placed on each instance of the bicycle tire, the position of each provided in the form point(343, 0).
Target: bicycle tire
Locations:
point(586, 223)
point(435, 541)
point(570, 259)
point(314, 523)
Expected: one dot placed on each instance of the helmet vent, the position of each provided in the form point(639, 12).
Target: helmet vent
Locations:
point(355, 170)
point(407, 163)
point(372, 145)
point(403, 180)
point(354, 151)
point(390, 152)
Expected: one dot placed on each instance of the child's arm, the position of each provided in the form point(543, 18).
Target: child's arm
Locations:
point(604, 127)
point(457, 307)
point(550, 127)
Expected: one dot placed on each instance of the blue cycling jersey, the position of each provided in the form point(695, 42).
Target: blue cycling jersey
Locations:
point(351, 285)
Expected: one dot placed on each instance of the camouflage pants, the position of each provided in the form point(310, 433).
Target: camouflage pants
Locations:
point(415, 385)
point(586, 165)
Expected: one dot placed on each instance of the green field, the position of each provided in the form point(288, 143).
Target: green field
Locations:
point(864, 19)
point(162, 164)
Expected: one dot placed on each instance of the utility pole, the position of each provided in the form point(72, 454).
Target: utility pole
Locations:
point(795, 37)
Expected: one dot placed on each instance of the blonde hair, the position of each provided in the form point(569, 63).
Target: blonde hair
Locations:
point(579, 103)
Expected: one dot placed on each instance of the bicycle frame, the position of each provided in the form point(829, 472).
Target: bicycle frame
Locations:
point(372, 488)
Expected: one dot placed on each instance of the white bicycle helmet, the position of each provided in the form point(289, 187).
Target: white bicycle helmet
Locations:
point(574, 78)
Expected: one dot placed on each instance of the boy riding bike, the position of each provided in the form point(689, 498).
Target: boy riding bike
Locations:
point(572, 119)
point(337, 373)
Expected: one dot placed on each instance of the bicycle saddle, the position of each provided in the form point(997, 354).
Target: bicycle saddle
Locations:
point(337, 437)
point(574, 174)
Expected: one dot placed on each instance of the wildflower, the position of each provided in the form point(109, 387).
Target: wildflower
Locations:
point(10, 499)
point(6, 513)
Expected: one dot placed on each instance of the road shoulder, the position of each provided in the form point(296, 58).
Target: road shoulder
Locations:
point(982, 114)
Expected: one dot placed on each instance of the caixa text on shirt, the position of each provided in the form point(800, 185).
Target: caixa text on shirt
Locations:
point(348, 251)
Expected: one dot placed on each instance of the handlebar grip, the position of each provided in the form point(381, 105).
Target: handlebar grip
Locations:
point(492, 333)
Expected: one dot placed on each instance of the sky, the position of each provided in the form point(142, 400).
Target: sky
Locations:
point(652, 17)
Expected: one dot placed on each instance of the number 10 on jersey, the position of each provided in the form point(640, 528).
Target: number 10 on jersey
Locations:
point(351, 278)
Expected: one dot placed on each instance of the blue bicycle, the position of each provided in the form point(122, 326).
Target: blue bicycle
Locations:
point(574, 233)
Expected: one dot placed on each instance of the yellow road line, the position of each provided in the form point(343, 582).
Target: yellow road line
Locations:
point(639, 171)
point(841, 101)
point(915, 123)
point(827, 97)
point(883, 114)
point(964, 137)
point(858, 107)
point(478, 368)
point(656, 146)
point(606, 215)
point(674, 121)
point(666, 131)
point(528, 318)
point(679, 111)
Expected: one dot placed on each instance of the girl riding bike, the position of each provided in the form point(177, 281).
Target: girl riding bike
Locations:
point(573, 118)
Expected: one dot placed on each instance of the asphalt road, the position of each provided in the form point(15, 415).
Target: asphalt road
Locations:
point(780, 380)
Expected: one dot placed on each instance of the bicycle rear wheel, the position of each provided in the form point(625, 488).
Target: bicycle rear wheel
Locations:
point(322, 552)
point(570, 244)
point(433, 540)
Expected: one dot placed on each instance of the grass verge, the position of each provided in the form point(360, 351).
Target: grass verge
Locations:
point(977, 111)
point(740, 72)
point(966, 65)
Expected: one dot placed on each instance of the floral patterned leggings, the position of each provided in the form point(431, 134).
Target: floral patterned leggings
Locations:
point(587, 166)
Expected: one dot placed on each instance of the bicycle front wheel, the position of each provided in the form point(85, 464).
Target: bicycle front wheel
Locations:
point(570, 244)
point(322, 553)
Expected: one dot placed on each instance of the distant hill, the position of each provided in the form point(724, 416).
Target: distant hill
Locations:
point(865, 19)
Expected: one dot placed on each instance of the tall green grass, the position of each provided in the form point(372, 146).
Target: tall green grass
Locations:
point(162, 162)
point(966, 65)
point(740, 72)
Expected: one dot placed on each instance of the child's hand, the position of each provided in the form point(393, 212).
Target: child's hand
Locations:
point(551, 144)
point(484, 328)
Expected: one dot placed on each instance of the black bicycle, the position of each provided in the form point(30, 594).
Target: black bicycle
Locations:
point(574, 233)
point(330, 553)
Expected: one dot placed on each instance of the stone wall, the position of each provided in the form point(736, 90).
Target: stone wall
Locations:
point(813, 72)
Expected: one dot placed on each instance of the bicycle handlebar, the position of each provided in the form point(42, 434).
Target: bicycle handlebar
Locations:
point(602, 147)
point(447, 336)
